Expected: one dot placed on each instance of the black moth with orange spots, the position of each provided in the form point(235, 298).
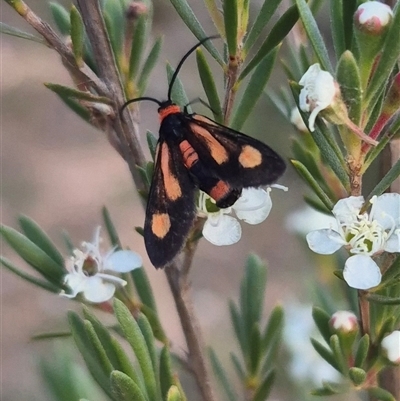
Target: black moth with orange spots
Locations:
point(193, 152)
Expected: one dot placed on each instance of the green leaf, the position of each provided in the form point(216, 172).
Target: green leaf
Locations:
point(191, 21)
point(349, 9)
point(174, 394)
point(255, 353)
point(124, 388)
point(10, 30)
point(338, 353)
point(254, 89)
point(238, 367)
point(230, 9)
point(239, 327)
point(111, 230)
point(155, 323)
point(216, 16)
point(209, 86)
point(273, 330)
point(275, 37)
point(76, 107)
point(387, 60)
point(309, 179)
point(148, 335)
point(380, 394)
point(143, 288)
point(337, 26)
point(84, 345)
point(362, 351)
point(115, 18)
point(386, 181)
point(67, 92)
point(33, 232)
point(77, 35)
point(348, 76)
point(136, 340)
point(178, 94)
point(313, 33)
point(31, 279)
point(317, 205)
point(325, 353)
point(382, 299)
point(152, 142)
point(265, 388)
point(357, 376)
point(321, 319)
point(263, 16)
point(328, 388)
point(138, 45)
point(33, 255)
point(221, 376)
point(166, 373)
point(149, 65)
point(61, 18)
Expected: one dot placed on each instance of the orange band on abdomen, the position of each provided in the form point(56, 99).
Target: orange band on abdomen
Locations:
point(188, 153)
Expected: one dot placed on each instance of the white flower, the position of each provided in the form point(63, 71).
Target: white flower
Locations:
point(373, 16)
point(87, 270)
point(344, 321)
point(364, 235)
point(391, 346)
point(253, 207)
point(318, 93)
point(297, 120)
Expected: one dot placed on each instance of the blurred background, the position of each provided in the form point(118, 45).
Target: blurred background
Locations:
point(60, 171)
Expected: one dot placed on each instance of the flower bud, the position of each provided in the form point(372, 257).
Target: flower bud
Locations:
point(344, 322)
point(136, 9)
point(391, 347)
point(373, 17)
point(297, 120)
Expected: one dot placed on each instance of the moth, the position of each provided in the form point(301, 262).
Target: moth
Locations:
point(194, 152)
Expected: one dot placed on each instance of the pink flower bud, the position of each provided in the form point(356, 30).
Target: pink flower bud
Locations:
point(372, 17)
point(391, 347)
point(344, 322)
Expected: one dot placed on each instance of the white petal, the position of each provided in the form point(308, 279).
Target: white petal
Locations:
point(123, 261)
point(97, 291)
point(310, 75)
point(253, 206)
point(386, 210)
point(347, 209)
point(374, 9)
point(361, 272)
point(303, 101)
point(393, 243)
point(325, 242)
point(222, 230)
point(295, 117)
point(391, 345)
point(76, 282)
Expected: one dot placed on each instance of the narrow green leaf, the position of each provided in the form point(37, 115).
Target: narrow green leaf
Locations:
point(61, 18)
point(362, 351)
point(33, 255)
point(230, 8)
point(33, 232)
point(348, 76)
point(174, 394)
point(85, 348)
point(77, 35)
point(275, 37)
point(382, 299)
point(255, 353)
point(349, 9)
point(138, 46)
point(143, 288)
point(265, 388)
point(115, 19)
point(380, 394)
point(10, 30)
point(303, 172)
point(149, 65)
point(136, 340)
point(191, 21)
point(155, 323)
point(337, 27)
point(325, 353)
point(238, 367)
point(314, 35)
point(273, 330)
point(239, 327)
point(76, 107)
point(124, 388)
point(357, 375)
point(209, 86)
point(317, 205)
point(148, 335)
point(166, 373)
point(321, 319)
point(254, 89)
point(65, 91)
point(263, 16)
point(216, 16)
point(329, 388)
point(178, 94)
point(31, 279)
point(152, 142)
point(52, 335)
point(221, 376)
point(386, 181)
point(387, 60)
point(111, 230)
point(334, 343)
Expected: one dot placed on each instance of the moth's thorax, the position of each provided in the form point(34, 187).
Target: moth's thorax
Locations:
point(173, 125)
point(168, 109)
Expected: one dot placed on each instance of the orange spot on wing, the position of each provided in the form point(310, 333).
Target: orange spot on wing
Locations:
point(219, 190)
point(218, 152)
point(160, 224)
point(188, 153)
point(171, 183)
point(250, 157)
point(166, 111)
point(204, 119)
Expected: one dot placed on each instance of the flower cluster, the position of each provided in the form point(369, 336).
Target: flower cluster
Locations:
point(87, 270)
point(363, 234)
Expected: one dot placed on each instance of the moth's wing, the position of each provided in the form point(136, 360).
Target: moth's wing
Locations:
point(238, 159)
point(171, 206)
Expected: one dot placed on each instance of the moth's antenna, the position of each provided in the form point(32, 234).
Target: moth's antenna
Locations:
point(173, 79)
point(138, 99)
